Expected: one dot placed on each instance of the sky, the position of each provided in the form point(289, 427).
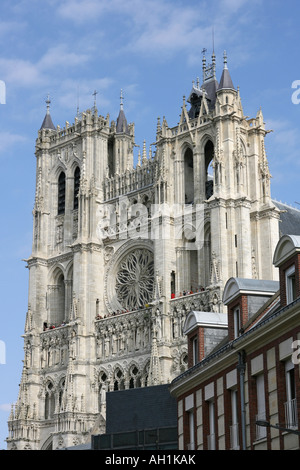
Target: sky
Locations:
point(152, 50)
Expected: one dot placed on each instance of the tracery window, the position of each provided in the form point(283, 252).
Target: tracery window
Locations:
point(135, 279)
point(134, 380)
point(119, 382)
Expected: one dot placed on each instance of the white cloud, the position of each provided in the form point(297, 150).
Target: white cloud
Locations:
point(59, 56)
point(8, 140)
point(5, 407)
point(81, 11)
point(24, 73)
point(11, 27)
point(20, 72)
point(72, 90)
point(159, 26)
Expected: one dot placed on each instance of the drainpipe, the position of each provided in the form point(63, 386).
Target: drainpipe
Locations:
point(241, 369)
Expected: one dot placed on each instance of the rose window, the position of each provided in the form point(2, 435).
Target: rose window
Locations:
point(135, 279)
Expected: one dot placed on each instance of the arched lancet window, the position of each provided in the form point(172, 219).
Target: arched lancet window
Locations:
point(119, 383)
point(206, 255)
point(145, 375)
point(57, 301)
point(209, 154)
point(190, 260)
point(103, 388)
point(173, 284)
point(61, 193)
point(110, 159)
point(61, 394)
point(76, 187)
point(49, 401)
point(188, 176)
point(134, 381)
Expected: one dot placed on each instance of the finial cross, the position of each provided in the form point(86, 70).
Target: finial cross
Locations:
point(95, 96)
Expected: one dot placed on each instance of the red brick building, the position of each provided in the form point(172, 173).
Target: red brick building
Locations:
point(245, 394)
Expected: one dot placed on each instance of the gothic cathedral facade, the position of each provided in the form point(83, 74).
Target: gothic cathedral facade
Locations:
point(122, 252)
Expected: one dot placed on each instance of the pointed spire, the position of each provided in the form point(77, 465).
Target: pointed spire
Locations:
point(144, 158)
point(47, 122)
point(122, 126)
point(226, 82)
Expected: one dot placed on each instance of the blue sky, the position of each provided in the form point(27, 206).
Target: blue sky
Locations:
point(152, 50)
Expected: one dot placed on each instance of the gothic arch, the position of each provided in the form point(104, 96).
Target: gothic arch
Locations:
point(69, 270)
point(76, 186)
point(61, 392)
point(56, 297)
point(48, 444)
point(206, 254)
point(103, 387)
point(49, 404)
point(118, 378)
point(134, 375)
point(55, 272)
point(61, 193)
point(57, 169)
point(205, 139)
point(188, 162)
point(145, 373)
point(147, 201)
point(74, 164)
point(103, 376)
point(208, 159)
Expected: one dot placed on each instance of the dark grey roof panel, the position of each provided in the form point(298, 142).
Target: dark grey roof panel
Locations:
point(257, 285)
point(289, 219)
point(47, 122)
point(226, 82)
point(211, 86)
point(122, 123)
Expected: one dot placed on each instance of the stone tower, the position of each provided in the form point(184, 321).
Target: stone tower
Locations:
point(121, 253)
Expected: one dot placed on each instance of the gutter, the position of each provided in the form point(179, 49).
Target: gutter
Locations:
point(241, 369)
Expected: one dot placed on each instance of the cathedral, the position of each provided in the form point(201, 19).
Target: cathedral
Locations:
point(123, 250)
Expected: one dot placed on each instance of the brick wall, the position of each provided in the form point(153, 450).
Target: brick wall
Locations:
point(275, 396)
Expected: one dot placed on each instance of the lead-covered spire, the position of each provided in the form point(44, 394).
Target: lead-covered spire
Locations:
point(47, 122)
point(122, 126)
point(226, 82)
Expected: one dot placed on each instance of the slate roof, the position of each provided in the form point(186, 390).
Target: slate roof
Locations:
point(289, 219)
point(122, 123)
point(226, 82)
point(47, 122)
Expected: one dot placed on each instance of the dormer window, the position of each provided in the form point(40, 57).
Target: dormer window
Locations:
point(287, 259)
point(290, 283)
